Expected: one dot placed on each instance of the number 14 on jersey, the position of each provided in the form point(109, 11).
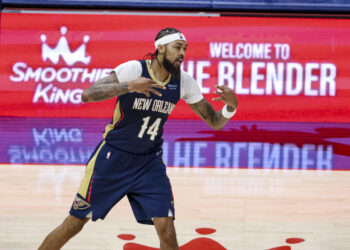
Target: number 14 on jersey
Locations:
point(152, 130)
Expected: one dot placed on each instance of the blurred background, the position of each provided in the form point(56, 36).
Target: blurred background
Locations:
point(288, 63)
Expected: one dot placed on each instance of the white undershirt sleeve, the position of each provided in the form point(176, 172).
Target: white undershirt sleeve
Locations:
point(128, 71)
point(190, 91)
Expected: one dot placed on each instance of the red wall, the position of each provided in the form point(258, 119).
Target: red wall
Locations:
point(282, 69)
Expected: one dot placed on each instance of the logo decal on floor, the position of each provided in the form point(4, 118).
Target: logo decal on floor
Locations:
point(197, 243)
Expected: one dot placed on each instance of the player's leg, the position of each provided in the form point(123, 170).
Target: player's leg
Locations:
point(74, 222)
point(151, 199)
point(60, 235)
point(100, 189)
point(166, 233)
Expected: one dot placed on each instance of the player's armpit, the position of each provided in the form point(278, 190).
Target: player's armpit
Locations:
point(213, 118)
point(104, 89)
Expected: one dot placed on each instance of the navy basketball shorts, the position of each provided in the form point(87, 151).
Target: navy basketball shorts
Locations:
point(111, 174)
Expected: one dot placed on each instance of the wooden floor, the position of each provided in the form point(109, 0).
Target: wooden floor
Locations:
point(249, 209)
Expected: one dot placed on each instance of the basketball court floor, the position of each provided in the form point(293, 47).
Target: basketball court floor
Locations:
point(252, 186)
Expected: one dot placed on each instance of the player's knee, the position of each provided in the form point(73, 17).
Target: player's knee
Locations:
point(168, 237)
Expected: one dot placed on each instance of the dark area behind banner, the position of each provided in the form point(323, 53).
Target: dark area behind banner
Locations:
point(223, 5)
point(193, 4)
point(283, 5)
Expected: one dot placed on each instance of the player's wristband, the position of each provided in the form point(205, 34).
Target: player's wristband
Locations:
point(226, 113)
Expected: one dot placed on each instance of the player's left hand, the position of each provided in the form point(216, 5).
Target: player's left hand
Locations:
point(227, 96)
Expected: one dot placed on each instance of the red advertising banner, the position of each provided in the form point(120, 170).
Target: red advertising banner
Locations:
point(282, 69)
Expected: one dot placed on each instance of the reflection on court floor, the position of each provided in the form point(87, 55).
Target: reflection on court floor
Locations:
point(268, 145)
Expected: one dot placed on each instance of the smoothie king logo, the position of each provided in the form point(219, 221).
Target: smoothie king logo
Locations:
point(50, 81)
point(62, 49)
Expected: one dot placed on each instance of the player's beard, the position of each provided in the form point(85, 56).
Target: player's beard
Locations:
point(175, 71)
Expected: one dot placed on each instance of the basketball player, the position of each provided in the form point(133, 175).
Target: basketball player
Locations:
point(128, 161)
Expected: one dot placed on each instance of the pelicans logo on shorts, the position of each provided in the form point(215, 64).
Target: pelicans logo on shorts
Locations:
point(80, 204)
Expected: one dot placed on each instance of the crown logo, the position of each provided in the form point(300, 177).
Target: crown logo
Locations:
point(62, 49)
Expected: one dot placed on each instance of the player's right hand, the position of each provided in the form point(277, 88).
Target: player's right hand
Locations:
point(145, 86)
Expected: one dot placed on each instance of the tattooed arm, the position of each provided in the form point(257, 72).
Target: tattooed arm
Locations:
point(105, 88)
point(109, 87)
point(213, 118)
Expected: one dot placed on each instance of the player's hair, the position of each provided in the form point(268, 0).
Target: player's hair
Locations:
point(163, 32)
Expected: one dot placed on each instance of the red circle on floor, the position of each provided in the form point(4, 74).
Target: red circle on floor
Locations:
point(126, 236)
point(205, 231)
point(294, 240)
